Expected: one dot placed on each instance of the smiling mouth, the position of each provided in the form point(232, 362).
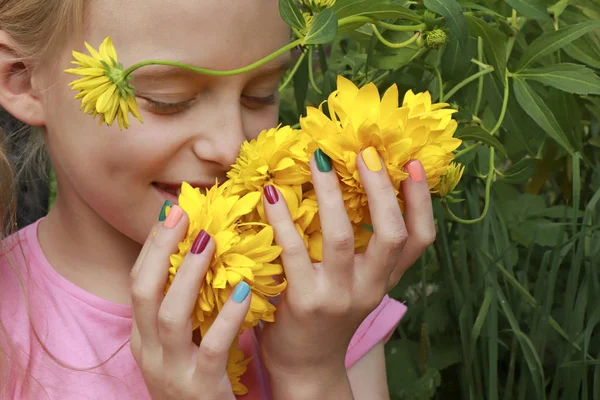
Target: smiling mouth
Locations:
point(171, 191)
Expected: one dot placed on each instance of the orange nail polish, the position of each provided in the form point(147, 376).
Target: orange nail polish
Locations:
point(174, 217)
point(415, 171)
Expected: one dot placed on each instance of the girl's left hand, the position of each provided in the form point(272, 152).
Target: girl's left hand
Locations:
point(325, 303)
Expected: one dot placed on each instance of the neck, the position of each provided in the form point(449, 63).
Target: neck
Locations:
point(88, 251)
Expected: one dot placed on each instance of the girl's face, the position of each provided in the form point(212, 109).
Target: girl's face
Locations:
point(193, 124)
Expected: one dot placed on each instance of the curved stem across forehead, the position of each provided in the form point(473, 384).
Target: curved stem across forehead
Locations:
point(206, 71)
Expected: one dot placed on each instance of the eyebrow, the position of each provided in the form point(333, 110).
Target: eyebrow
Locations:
point(278, 66)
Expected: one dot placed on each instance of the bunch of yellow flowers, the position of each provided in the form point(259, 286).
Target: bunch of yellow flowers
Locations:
point(233, 213)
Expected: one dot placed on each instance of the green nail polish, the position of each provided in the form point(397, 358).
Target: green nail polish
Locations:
point(163, 211)
point(323, 161)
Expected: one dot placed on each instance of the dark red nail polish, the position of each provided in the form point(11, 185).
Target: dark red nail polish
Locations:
point(271, 194)
point(200, 242)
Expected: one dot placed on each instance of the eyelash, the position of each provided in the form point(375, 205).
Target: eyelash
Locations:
point(173, 108)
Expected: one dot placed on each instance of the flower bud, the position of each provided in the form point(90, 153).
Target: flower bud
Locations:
point(436, 39)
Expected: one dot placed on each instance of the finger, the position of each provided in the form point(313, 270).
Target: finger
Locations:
point(389, 229)
point(294, 253)
point(214, 348)
point(174, 322)
point(140, 260)
point(338, 235)
point(419, 219)
point(148, 287)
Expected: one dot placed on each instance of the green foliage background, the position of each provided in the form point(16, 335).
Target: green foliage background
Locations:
point(507, 307)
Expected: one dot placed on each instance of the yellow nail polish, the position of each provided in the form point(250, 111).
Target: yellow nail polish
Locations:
point(371, 159)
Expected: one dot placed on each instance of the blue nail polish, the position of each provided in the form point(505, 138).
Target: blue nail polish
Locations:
point(241, 291)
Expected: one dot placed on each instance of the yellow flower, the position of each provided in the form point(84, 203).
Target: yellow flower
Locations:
point(449, 180)
point(236, 366)
point(360, 119)
point(308, 225)
point(243, 252)
point(316, 5)
point(102, 89)
point(276, 157)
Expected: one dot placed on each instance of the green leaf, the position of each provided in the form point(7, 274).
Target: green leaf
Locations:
point(535, 9)
point(291, 14)
point(550, 42)
point(534, 105)
point(520, 172)
point(301, 86)
point(572, 78)
point(479, 134)
point(377, 9)
point(456, 62)
point(453, 13)
point(323, 28)
point(494, 44)
point(595, 141)
point(584, 50)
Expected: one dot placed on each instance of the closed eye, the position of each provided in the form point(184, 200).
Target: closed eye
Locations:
point(158, 107)
point(259, 102)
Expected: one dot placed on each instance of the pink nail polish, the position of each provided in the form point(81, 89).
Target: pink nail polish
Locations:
point(174, 217)
point(415, 171)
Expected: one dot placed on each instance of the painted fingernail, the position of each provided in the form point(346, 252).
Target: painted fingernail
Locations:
point(174, 217)
point(323, 161)
point(200, 242)
point(271, 194)
point(165, 210)
point(371, 159)
point(415, 171)
point(241, 291)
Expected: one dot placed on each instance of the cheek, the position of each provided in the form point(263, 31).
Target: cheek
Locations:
point(255, 121)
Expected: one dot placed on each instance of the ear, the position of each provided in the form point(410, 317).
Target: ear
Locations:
point(17, 92)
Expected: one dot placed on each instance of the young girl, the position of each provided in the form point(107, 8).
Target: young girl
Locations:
point(70, 300)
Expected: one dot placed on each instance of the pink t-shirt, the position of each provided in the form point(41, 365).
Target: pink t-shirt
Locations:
point(81, 331)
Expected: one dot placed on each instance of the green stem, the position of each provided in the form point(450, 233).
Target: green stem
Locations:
point(480, 87)
point(400, 28)
point(467, 150)
point(292, 72)
point(467, 81)
point(394, 45)
point(504, 105)
point(481, 64)
point(311, 77)
point(511, 40)
point(438, 74)
point(488, 190)
point(205, 71)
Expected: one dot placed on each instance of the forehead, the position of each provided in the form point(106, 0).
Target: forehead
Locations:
point(215, 34)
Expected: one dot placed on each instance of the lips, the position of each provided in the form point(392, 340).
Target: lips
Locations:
point(171, 191)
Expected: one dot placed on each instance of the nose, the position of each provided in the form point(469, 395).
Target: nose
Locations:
point(222, 134)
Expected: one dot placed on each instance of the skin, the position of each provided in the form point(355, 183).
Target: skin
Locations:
point(113, 184)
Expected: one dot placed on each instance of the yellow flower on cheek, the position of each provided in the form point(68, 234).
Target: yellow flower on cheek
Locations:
point(102, 89)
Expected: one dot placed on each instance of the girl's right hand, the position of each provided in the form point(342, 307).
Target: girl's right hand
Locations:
point(161, 339)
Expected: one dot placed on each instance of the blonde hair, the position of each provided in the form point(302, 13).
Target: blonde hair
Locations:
point(36, 28)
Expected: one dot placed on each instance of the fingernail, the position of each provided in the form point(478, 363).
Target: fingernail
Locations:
point(415, 171)
point(371, 159)
point(174, 217)
point(165, 210)
point(323, 161)
point(241, 291)
point(200, 242)
point(271, 194)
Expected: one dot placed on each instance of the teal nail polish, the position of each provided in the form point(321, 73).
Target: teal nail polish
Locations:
point(163, 212)
point(241, 291)
point(323, 161)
